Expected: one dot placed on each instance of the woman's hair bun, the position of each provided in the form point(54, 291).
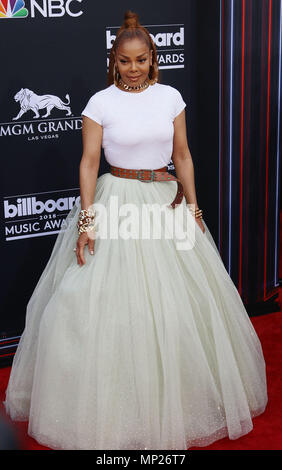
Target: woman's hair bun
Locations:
point(131, 19)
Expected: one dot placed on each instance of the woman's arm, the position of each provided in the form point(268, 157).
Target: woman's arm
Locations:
point(92, 134)
point(183, 163)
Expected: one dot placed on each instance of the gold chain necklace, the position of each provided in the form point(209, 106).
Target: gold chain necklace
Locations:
point(145, 84)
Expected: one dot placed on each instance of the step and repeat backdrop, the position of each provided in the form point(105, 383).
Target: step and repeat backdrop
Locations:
point(54, 57)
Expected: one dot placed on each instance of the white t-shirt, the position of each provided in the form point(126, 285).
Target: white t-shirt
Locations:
point(137, 127)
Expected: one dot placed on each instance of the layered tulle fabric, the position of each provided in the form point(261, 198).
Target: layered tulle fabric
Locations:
point(146, 346)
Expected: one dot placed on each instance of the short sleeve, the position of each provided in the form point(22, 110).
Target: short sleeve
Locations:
point(94, 109)
point(179, 103)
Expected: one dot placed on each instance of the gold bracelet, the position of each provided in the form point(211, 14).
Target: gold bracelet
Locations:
point(86, 220)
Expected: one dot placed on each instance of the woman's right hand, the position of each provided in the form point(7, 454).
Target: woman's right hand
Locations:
point(84, 239)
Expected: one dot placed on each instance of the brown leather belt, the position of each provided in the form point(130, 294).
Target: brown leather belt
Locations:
point(146, 176)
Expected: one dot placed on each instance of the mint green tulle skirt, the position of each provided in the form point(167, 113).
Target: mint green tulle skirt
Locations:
point(147, 345)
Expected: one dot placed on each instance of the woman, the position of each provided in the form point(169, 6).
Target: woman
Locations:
point(137, 342)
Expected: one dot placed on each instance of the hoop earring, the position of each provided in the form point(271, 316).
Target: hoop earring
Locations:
point(152, 81)
point(116, 75)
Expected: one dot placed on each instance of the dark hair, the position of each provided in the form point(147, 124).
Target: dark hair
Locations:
point(131, 29)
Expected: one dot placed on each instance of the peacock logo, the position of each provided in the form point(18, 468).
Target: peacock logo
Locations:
point(13, 9)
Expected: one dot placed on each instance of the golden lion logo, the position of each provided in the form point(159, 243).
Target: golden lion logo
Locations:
point(31, 101)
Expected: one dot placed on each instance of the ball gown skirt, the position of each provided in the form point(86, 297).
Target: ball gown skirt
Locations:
point(146, 346)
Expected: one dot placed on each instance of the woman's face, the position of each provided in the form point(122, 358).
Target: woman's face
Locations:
point(133, 60)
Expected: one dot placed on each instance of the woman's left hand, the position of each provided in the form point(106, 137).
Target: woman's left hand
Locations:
point(200, 223)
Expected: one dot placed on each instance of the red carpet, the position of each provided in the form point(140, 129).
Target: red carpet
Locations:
point(267, 431)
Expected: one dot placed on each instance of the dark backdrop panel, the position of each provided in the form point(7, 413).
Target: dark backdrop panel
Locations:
point(61, 49)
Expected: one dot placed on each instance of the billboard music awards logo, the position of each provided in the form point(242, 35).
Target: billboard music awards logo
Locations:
point(38, 214)
point(169, 41)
